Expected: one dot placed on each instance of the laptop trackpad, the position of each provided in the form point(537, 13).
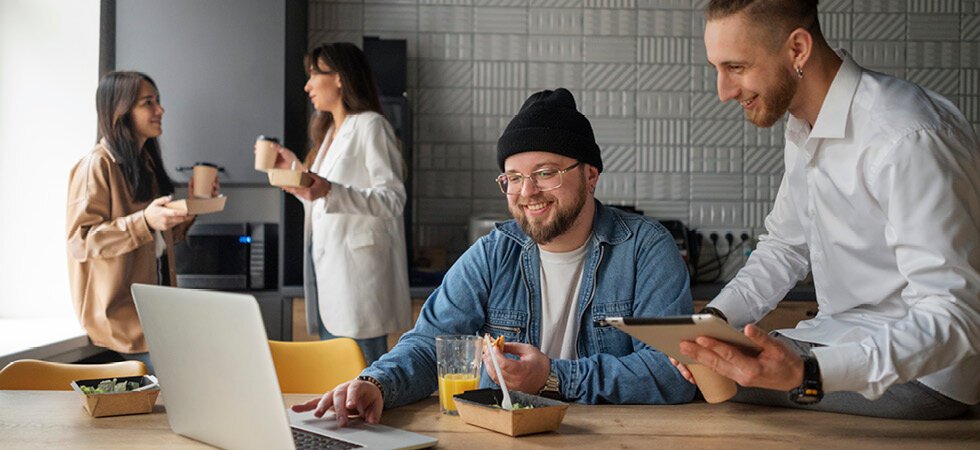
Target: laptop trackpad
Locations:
point(359, 431)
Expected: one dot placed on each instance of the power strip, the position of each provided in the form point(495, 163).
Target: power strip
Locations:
point(723, 251)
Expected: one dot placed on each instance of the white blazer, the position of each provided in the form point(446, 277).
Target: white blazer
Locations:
point(355, 236)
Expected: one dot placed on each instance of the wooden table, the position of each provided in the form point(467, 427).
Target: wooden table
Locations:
point(55, 419)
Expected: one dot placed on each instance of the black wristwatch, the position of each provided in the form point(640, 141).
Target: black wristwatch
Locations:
point(811, 391)
point(714, 312)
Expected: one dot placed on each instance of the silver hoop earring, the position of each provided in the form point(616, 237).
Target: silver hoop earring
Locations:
point(799, 72)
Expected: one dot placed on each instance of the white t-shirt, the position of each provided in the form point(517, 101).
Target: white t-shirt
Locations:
point(561, 276)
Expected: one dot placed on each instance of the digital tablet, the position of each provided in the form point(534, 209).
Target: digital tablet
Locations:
point(666, 333)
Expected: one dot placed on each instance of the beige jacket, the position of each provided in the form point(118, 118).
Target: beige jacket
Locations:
point(110, 247)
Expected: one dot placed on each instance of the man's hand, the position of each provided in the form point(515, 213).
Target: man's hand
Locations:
point(775, 367)
point(161, 218)
point(356, 395)
point(528, 374)
point(319, 188)
point(683, 370)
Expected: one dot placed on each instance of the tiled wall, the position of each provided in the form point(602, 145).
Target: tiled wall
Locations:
point(638, 71)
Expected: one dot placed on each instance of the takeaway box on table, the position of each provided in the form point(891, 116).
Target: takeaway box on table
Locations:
point(102, 404)
point(536, 414)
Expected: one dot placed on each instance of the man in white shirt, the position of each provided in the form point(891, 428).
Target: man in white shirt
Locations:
point(880, 200)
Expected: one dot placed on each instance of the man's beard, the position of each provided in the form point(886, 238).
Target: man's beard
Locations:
point(564, 217)
point(775, 103)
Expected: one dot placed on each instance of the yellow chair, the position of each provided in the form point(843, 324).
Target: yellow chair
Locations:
point(37, 375)
point(315, 367)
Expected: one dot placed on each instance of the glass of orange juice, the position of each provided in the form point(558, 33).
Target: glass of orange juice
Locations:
point(458, 358)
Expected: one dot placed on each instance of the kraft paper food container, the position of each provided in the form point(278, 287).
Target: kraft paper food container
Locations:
point(199, 205)
point(289, 178)
point(118, 403)
point(481, 408)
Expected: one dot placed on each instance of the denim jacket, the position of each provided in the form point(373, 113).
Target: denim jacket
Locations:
point(632, 268)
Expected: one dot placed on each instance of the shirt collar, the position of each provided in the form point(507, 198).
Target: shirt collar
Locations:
point(832, 119)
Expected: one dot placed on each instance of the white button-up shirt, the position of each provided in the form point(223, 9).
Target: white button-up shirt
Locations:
point(881, 201)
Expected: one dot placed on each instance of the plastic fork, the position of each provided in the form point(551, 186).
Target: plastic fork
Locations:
point(506, 404)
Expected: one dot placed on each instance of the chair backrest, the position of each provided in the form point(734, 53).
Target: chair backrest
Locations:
point(315, 367)
point(37, 375)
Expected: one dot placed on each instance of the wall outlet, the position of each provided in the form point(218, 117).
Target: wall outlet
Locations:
point(718, 260)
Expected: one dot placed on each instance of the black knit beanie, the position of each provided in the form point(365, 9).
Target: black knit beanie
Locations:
point(549, 122)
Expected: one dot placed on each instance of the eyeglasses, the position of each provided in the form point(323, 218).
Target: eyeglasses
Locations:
point(511, 183)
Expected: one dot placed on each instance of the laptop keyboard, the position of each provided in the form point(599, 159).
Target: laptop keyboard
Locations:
point(305, 439)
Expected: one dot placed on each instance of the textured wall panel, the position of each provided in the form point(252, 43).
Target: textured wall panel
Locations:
point(555, 48)
point(970, 105)
point(556, 3)
point(836, 5)
point(444, 156)
point(500, 20)
point(716, 215)
point(335, 16)
point(443, 184)
point(755, 216)
point(618, 158)
point(440, 128)
point(663, 78)
point(761, 187)
point(613, 131)
point(607, 104)
point(944, 81)
point(933, 27)
point(673, 50)
point(665, 4)
point(555, 21)
point(881, 6)
point(485, 185)
point(705, 105)
point(879, 54)
point(552, 75)
point(500, 47)
point(836, 26)
point(709, 186)
point(934, 6)
point(716, 159)
point(458, 19)
point(763, 160)
point(384, 17)
point(318, 37)
point(970, 27)
point(435, 73)
point(764, 137)
point(489, 128)
point(445, 100)
point(449, 237)
point(439, 211)
point(666, 105)
point(445, 46)
point(879, 27)
point(609, 49)
point(664, 186)
point(663, 131)
point(609, 22)
point(721, 133)
point(663, 210)
point(496, 206)
point(446, 2)
point(675, 23)
point(616, 186)
point(500, 74)
point(970, 82)
point(662, 159)
point(609, 76)
point(609, 4)
point(498, 102)
point(485, 156)
point(507, 3)
point(934, 54)
point(703, 77)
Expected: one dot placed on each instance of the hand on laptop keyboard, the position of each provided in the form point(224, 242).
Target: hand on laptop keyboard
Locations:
point(358, 396)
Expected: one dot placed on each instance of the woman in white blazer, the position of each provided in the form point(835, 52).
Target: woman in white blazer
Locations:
point(356, 274)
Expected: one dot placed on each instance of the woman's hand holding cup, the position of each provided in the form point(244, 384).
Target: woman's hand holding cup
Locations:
point(161, 218)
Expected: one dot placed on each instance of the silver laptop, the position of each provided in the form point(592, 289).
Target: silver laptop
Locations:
point(211, 355)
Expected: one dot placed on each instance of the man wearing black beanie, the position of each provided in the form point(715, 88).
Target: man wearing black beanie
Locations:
point(542, 281)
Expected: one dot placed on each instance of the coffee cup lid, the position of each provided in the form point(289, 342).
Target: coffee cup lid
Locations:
point(202, 163)
point(263, 137)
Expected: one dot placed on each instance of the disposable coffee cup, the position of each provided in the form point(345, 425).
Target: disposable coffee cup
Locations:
point(204, 175)
point(714, 387)
point(265, 152)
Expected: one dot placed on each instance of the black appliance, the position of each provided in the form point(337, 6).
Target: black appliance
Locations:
point(230, 256)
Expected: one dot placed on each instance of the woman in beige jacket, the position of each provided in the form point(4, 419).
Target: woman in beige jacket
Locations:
point(119, 231)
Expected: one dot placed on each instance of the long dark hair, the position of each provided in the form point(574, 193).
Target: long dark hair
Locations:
point(358, 91)
point(142, 168)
